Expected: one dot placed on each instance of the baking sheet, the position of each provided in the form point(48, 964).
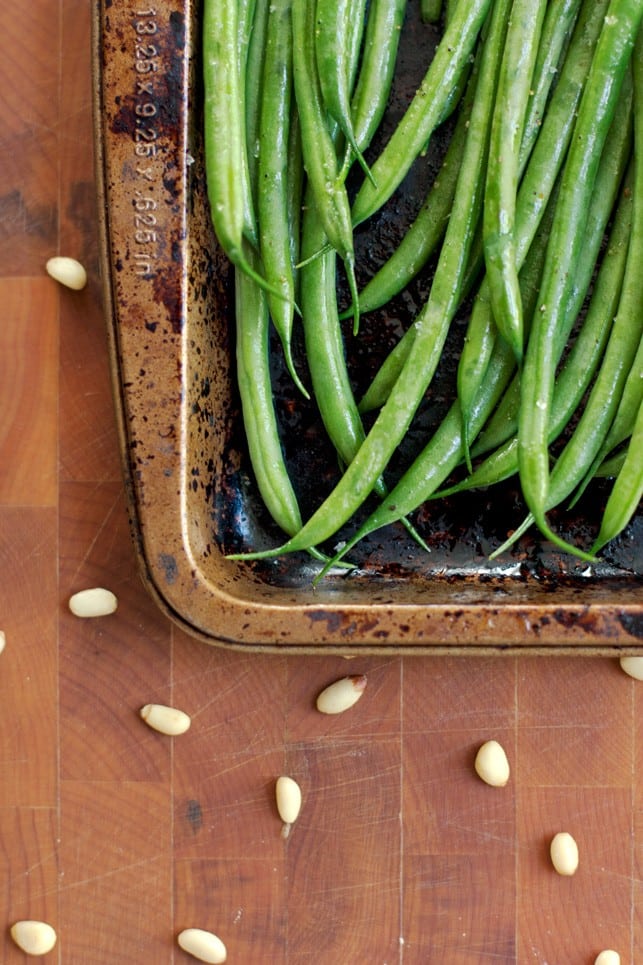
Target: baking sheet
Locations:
point(169, 306)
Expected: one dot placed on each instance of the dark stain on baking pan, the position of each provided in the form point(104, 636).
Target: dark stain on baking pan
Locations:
point(632, 623)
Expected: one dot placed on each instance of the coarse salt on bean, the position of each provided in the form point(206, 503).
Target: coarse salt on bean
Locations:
point(94, 602)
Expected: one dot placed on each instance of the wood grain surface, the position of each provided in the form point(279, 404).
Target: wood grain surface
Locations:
point(119, 836)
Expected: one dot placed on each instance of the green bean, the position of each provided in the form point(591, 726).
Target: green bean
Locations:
point(445, 449)
point(295, 191)
point(435, 317)
point(596, 111)
point(574, 462)
point(559, 22)
point(583, 358)
point(334, 22)
point(246, 15)
point(450, 6)
point(253, 377)
point(253, 84)
point(320, 157)
point(375, 77)
point(259, 417)
point(325, 352)
point(626, 492)
point(229, 192)
point(442, 453)
point(274, 177)
point(424, 112)
point(609, 181)
point(623, 425)
point(539, 178)
point(380, 387)
point(521, 46)
point(324, 345)
point(431, 10)
point(324, 341)
point(632, 396)
point(627, 411)
point(611, 467)
point(423, 235)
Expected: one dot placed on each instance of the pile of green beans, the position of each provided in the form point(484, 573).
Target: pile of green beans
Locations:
point(533, 225)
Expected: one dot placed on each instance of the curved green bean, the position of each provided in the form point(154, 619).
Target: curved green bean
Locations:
point(375, 77)
point(425, 110)
point(424, 234)
point(582, 361)
point(627, 490)
point(334, 22)
point(433, 323)
point(558, 24)
point(539, 178)
point(274, 177)
point(442, 453)
point(596, 110)
point(320, 157)
point(609, 182)
point(226, 161)
point(519, 58)
point(253, 377)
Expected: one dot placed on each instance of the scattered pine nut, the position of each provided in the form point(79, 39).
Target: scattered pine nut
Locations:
point(166, 720)
point(288, 795)
point(491, 764)
point(33, 937)
point(633, 666)
point(95, 602)
point(67, 271)
point(3, 640)
point(564, 853)
point(342, 694)
point(204, 945)
point(608, 957)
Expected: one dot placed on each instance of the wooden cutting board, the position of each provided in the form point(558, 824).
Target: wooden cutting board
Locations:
point(121, 837)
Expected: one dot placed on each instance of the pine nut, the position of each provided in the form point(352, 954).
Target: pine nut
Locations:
point(166, 720)
point(491, 764)
point(342, 694)
point(608, 957)
point(288, 795)
point(95, 602)
point(633, 666)
point(33, 937)
point(564, 853)
point(67, 271)
point(203, 945)
point(3, 640)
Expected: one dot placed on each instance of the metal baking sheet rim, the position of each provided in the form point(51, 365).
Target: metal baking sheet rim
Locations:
point(217, 616)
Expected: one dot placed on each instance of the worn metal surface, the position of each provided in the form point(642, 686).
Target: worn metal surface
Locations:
point(168, 305)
